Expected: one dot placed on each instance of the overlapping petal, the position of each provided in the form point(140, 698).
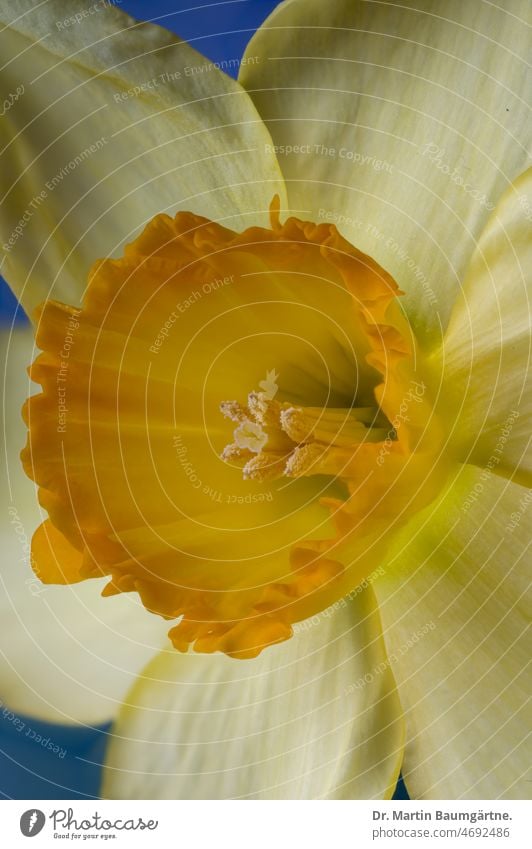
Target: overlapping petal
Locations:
point(456, 621)
point(106, 124)
point(298, 722)
point(487, 350)
point(402, 123)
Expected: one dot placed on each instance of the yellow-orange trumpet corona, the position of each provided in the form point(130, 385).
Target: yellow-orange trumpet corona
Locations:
point(164, 463)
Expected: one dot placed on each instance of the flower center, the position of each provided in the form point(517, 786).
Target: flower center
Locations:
point(275, 439)
point(327, 458)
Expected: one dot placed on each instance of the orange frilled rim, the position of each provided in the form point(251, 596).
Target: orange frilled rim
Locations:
point(128, 408)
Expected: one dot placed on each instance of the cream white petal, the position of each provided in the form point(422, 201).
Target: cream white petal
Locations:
point(298, 722)
point(487, 351)
point(66, 654)
point(402, 124)
point(456, 621)
point(106, 123)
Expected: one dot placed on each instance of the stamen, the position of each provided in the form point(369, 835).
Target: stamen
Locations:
point(300, 441)
point(234, 411)
point(267, 413)
point(265, 410)
point(264, 467)
point(232, 453)
point(316, 459)
point(329, 425)
point(250, 435)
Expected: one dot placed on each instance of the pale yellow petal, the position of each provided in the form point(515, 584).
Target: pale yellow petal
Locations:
point(456, 622)
point(298, 722)
point(108, 122)
point(410, 122)
point(488, 347)
point(66, 655)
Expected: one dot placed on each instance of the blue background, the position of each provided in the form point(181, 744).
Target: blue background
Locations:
point(27, 770)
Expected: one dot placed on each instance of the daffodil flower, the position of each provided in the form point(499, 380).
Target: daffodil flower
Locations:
point(291, 414)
